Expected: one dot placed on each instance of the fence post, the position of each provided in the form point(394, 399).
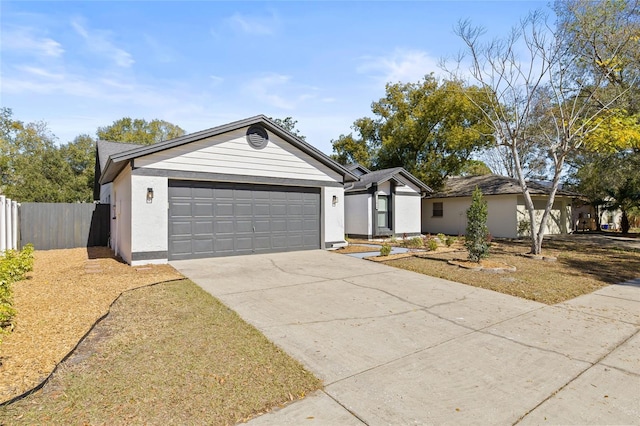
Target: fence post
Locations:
point(3, 225)
point(9, 225)
point(16, 219)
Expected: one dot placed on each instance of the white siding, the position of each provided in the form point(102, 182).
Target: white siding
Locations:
point(121, 215)
point(334, 228)
point(149, 221)
point(358, 214)
point(231, 154)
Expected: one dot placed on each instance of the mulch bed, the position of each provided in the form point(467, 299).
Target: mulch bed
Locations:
point(58, 303)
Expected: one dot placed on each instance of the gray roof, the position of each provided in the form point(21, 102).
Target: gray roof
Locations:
point(397, 174)
point(492, 185)
point(107, 148)
point(118, 160)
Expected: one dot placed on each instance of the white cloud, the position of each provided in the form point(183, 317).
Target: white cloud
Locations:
point(25, 40)
point(402, 65)
point(256, 25)
point(279, 91)
point(98, 41)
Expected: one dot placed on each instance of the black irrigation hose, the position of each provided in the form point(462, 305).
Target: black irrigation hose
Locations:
point(98, 321)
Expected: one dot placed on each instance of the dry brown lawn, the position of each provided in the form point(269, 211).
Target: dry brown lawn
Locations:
point(579, 269)
point(166, 354)
point(60, 301)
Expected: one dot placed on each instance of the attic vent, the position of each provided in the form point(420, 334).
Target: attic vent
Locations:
point(257, 136)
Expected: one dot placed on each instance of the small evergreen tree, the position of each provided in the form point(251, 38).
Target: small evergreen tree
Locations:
point(476, 238)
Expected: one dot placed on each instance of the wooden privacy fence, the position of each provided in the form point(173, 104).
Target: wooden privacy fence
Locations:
point(8, 224)
point(64, 225)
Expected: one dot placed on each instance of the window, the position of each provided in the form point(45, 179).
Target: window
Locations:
point(438, 210)
point(383, 211)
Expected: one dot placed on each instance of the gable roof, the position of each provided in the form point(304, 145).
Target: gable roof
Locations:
point(459, 186)
point(118, 160)
point(104, 150)
point(357, 169)
point(397, 174)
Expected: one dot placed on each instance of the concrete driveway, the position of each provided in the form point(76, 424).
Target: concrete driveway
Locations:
point(396, 347)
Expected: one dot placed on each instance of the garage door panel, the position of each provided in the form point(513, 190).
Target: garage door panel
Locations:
point(244, 243)
point(220, 219)
point(278, 209)
point(224, 244)
point(262, 225)
point(181, 228)
point(294, 210)
point(203, 246)
point(243, 209)
point(202, 209)
point(181, 209)
point(294, 225)
point(201, 228)
point(223, 209)
point(278, 225)
point(224, 227)
point(202, 193)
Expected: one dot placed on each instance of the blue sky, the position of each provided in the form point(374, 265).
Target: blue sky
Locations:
point(81, 65)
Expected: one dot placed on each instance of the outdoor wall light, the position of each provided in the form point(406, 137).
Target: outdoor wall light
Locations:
point(149, 195)
point(334, 200)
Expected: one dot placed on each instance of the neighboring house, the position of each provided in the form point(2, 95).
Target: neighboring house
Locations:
point(241, 188)
point(383, 203)
point(446, 211)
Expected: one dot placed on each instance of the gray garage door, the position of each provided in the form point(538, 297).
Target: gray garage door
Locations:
point(209, 219)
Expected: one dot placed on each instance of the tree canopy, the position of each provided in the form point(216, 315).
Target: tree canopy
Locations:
point(431, 128)
point(34, 168)
point(139, 131)
point(289, 124)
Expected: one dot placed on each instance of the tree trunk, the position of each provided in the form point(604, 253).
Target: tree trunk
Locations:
point(624, 222)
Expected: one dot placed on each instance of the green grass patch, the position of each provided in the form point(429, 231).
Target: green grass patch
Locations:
point(167, 354)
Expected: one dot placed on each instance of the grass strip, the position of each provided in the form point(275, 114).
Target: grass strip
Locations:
point(167, 354)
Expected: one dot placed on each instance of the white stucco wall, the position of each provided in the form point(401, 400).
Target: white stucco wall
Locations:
point(121, 215)
point(358, 214)
point(559, 221)
point(334, 220)
point(231, 154)
point(501, 216)
point(406, 217)
point(149, 231)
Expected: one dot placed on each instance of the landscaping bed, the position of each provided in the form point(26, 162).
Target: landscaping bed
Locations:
point(569, 267)
point(57, 304)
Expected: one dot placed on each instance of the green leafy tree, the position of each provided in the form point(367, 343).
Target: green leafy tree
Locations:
point(289, 124)
point(32, 168)
point(475, 168)
point(431, 128)
point(477, 234)
point(80, 156)
point(139, 131)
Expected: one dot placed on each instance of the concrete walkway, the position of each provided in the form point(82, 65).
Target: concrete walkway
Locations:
point(396, 347)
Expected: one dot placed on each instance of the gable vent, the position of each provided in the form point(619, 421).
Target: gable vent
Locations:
point(257, 136)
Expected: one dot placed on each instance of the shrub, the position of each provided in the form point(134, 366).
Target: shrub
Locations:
point(432, 244)
point(385, 250)
point(449, 241)
point(415, 242)
point(13, 266)
point(441, 237)
point(476, 239)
